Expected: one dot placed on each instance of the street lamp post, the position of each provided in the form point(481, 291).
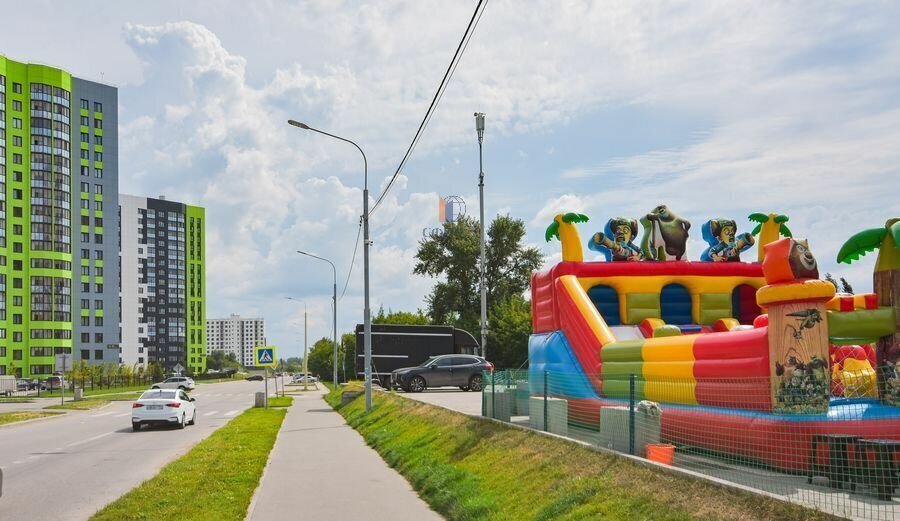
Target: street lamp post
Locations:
point(479, 128)
point(305, 357)
point(367, 323)
point(334, 316)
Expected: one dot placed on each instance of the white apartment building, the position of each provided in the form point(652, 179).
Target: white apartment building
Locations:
point(240, 336)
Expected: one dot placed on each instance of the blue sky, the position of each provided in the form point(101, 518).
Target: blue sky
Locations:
point(718, 109)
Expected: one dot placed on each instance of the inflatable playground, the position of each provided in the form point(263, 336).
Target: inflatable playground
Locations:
point(748, 359)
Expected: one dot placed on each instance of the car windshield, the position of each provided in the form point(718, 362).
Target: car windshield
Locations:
point(158, 395)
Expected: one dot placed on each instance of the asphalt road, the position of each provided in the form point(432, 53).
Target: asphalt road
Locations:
point(69, 467)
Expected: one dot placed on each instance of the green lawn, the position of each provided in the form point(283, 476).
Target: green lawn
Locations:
point(466, 468)
point(280, 401)
point(93, 403)
point(214, 481)
point(12, 417)
point(97, 390)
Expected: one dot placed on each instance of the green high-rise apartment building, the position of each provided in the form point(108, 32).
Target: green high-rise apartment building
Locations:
point(58, 175)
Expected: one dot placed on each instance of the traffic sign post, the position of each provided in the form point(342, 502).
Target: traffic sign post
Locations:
point(62, 363)
point(178, 369)
point(265, 358)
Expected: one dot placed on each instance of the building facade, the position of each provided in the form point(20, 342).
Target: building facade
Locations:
point(44, 125)
point(236, 335)
point(162, 289)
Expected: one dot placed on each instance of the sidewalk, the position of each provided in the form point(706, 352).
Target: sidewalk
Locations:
point(321, 468)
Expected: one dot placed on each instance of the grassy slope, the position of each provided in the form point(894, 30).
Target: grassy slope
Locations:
point(466, 468)
point(214, 481)
point(18, 416)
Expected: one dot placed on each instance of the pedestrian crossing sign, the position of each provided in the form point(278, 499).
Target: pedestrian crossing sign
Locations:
point(265, 356)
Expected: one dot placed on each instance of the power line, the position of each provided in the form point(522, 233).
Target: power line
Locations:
point(451, 68)
point(352, 260)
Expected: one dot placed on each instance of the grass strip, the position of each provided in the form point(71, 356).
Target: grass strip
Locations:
point(97, 390)
point(214, 481)
point(94, 403)
point(19, 416)
point(466, 468)
point(280, 401)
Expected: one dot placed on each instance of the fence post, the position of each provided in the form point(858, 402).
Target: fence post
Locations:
point(631, 415)
point(483, 400)
point(546, 422)
point(493, 401)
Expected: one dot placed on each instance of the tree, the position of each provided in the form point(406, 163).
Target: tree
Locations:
point(222, 361)
point(846, 287)
point(829, 278)
point(454, 255)
point(510, 330)
point(320, 358)
point(348, 356)
point(401, 317)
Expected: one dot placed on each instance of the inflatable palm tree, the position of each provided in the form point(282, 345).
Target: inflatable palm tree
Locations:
point(886, 279)
point(771, 227)
point(563, 228)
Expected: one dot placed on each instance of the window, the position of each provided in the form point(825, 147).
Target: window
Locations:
point(98, 156)
point(85, 303)
point(17, 106)
point(85, 171)
point(99, 288)
point(86, 204)
point(17, 159)
point(85, 354)
point(98, 205)
point(85, 154)
point(85, 220)
point(98, 140)
point(85, 287)
point(98, 271)
point(84, 104)
point(17, 229)
point(85, 254)
point(85, 338)
point(98, 221)
point(98, 304)
point(85, 121)
point(17, 318)
point(17, 301)
point(17, 122)
point(17, 141)
point(17, 176)
point(98, 107)
point(85, 187)
point(17, 264)
point(98, 173)
point(17, 88)
point(86, 270)
point(17, 283)
point(85, 137)
point(17, 194)
point(98, 321)
point(85, 237)
point(98, 238)
point(98, 338)
point(17, 337)
point(98, 189)
point(17, 211)
point(98, 124)
point(85, 321)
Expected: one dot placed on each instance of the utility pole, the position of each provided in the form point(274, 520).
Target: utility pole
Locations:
point(479, 128)
point(305, 357)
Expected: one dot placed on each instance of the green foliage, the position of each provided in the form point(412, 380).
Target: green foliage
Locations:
point(846, 287)
point(552, 231)
point(829, 278)
point(453, 256)
point(573, 217)
point(348, 357)
point(418, 318)
point(757, 217)
point(510, 329)
point(222, 361)
point(320, 357)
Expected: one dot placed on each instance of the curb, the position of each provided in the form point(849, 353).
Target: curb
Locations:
point(56, 414)
point(252, 506)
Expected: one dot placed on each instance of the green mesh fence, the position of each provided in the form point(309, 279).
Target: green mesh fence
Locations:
point(833, 445)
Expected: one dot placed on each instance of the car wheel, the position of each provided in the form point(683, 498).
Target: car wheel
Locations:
point(475, 383)
point(135, 427)
point(193, 419)
point(464, 388)
point(155, 387)
point(181, 424)
point(181, 387)
point(417, 384)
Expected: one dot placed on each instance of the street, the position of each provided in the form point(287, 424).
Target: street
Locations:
point(69, 467)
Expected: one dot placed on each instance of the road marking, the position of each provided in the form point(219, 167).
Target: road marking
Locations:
point(95, 438)
point(231, 413)
point(102, 414)
point(210, 413)
point(123, 414)
point(19, 462)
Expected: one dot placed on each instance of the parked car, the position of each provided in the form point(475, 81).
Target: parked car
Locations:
point(163, 407)
point(52, 383)
point(299, 379)
point(463, 371)
point(254, 378)
point(176, 382)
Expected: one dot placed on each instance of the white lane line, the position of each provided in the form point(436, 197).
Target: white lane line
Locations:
point(210, 413)
point(123, 415)
point(88, 440)
point(231, 413)
point(18, 462)
point(102, 414)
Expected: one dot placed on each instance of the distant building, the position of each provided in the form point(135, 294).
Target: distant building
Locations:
point(163, 283)
point(236, 335)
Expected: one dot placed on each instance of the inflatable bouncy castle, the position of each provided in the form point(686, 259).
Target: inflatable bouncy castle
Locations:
point(748, 359)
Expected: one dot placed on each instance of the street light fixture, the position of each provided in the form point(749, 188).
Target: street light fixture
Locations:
point(334, 310)
point(479, 128)
point(367, 323)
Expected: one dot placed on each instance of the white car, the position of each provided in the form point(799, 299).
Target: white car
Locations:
point(299, 379)
point(175, 382)
point(163, 407)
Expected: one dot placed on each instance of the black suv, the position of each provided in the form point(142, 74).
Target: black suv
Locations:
point(463, 371)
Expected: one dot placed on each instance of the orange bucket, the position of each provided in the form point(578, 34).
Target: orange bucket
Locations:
point(661, 453)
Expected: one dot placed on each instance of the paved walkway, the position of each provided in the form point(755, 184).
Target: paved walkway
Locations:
point(320, 468)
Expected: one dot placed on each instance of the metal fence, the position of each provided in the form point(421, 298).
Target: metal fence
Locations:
point(36, 388)
point(834, 448)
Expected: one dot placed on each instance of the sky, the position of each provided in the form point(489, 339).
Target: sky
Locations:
point(717, 109)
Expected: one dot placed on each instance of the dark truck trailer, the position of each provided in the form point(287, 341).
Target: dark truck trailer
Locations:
point(396, 346)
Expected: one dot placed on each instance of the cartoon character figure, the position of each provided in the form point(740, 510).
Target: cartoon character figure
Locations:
point(615, 242)
point(724, 243)
point(665, 234)
point(808, 320)
point(789, 259)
